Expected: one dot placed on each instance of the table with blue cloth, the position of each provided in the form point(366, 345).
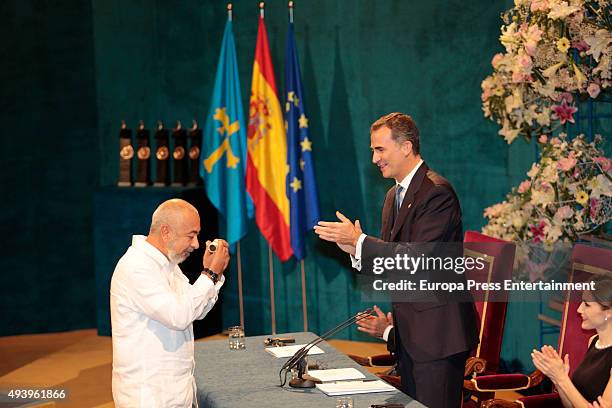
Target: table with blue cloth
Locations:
point(249, 378)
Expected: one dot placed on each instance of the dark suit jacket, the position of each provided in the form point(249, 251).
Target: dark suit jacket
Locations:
point(430, 212)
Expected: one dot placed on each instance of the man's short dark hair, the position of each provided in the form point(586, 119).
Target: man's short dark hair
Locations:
point(402, 128)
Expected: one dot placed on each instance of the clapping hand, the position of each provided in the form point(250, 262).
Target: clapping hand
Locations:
point(344, 233)
point(550, 363)
point(375, 325)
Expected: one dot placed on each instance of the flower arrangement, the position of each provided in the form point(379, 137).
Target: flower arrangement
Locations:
point(568, 192)
point(555, 51)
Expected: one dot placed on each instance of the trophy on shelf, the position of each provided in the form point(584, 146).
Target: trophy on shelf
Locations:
point(162, 154)
point(179, 154)
point(195, 139)
point(126, 152)
point(143, 153)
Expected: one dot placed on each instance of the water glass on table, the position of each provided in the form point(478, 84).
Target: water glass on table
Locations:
point(236, 338)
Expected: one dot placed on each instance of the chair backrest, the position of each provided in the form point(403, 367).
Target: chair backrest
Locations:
point(499, 261)
point(587, 263)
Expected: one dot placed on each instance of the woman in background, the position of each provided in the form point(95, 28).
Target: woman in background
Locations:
point(590, 386)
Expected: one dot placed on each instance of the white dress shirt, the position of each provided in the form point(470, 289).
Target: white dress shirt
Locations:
point(405, 183)
point(153, 307)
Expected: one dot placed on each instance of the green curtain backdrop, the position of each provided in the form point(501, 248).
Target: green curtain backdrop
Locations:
point(73, 70)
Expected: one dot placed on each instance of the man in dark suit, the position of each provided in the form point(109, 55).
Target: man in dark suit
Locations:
point(433, 336)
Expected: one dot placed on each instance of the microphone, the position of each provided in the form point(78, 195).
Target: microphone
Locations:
point(299, 358)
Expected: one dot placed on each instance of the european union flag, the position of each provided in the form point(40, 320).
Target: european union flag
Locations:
point(301, 182)
point(223, 164)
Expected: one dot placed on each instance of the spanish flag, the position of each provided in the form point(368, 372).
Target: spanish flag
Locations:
point(267, 167)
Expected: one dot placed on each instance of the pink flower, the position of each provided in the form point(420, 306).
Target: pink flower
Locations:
point(524, 186)
point(525, 61)
point(537, 231)
point(486, 94)
point(497, 59)
point(530, 47)
point(518, 77)
point(580, 45)
point(555, 141)
point(564, 212)
point(566, 96)
point(564, 112)
point(543, 139)
point(593, 89)
point(567, 163)
point(576, 173)
point(604, 163)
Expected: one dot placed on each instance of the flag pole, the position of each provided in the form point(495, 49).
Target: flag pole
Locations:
point(240, 296)
point(304, 304)
point(270, 265)
point(272, 304)
point(291, 12)
point(240, 293)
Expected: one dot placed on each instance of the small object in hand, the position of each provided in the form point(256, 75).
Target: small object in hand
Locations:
point(213, 246)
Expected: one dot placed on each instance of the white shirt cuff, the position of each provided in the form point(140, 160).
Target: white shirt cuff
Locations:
point(385, 335)
point(356, 260)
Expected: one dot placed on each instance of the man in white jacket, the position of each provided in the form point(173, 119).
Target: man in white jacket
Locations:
point(153, 307)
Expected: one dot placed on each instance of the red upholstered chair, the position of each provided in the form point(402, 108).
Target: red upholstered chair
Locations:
point(498, 258)
point(587, 261)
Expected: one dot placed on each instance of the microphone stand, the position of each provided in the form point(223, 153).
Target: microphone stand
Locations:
point(298, 360)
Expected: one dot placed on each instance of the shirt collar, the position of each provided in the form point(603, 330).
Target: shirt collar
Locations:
point(406, 181)
point(140, 242)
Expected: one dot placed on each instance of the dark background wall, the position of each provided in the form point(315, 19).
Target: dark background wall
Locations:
point(72, 70)
point(49, 165)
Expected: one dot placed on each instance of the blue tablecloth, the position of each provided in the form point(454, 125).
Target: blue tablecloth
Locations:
point(249, 378)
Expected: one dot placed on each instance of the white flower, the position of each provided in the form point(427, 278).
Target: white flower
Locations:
point(553, 232)
point(550, 174)
point(599, 186)
point(543, 118)
point(561, 10)
point(508, 132)
point(598, 42)
point(535, 168)
point(604, 69)
point(530, 114)
point(580, 77)
point(514, 101)
point(550, 71)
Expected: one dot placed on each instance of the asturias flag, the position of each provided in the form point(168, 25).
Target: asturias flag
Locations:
point(224, 145)
point(267, 152)
point(301, 182)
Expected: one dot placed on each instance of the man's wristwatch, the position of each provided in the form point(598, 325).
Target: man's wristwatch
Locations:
point(212, 275)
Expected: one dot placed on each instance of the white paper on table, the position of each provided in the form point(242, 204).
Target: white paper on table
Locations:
point(355, 387)
point(288, 351)
point(336, 374)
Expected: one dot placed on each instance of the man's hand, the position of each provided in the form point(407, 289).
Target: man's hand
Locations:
point(375, 325)
point(216, 261)
point(343, 233)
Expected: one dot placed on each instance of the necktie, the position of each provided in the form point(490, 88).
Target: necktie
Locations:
point(398, 198)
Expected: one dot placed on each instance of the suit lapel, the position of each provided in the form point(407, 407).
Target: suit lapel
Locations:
point(407, 204)
point(387, 215)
